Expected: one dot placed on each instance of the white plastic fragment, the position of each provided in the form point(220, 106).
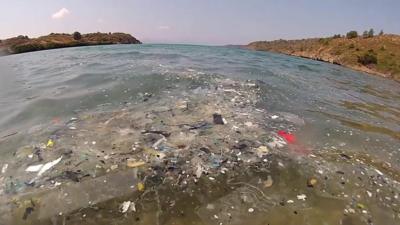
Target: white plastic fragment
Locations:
point(262, 150)
point(161, 140)
point(4, 168)
point(251, 210)
point(210, 207)
point(133, 207)
point(379, 172)
point(274, 117)
point(49, 165)
point(249, 124)
point(43, 168)
point(276, 142)
point(114, 167)
point(235, 127)
point(199, 171)
point(290, 201)
point(34, 168)
point(352, 210)
point(125, 206)
point(369, 194)
point(301, 197)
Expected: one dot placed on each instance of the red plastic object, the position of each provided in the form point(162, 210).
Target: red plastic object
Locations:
point(290, 138)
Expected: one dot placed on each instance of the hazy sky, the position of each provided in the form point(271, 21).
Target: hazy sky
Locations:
point(199, 21)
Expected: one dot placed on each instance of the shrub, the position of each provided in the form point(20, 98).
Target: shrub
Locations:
point(368, 58)
point(365, 34)
point(22, 37)
point(324, 41)
point(29, 47)
point(336, 36)
point(352, 34)
point(381, 33)
point(337, 52)
point(77, 36)
point(371, 33)
point(351, 46)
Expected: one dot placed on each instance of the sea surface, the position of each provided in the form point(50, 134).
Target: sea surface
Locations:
point(333, 108)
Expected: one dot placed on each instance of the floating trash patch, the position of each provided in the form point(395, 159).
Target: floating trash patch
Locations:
point(200, 153)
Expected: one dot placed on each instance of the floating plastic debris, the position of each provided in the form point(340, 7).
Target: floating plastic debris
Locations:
point(4, 168)
point(249, 124)
point(199, 171)
point(42, 168)
point(274, 117)
point(290, 138)
point(276, 142)
point(50, 143)
point(312, 182)
point(218, 119)
point(379, 172)
point(140, 186)
point(301, 197)
point(262, 150)
point(269, 182)
point(133, 163)
point(34, 168)
point(124, 207)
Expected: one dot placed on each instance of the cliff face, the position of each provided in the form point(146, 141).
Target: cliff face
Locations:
point(23, 44)
point(376, 55)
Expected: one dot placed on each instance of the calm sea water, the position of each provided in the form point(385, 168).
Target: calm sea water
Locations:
point(334, 108)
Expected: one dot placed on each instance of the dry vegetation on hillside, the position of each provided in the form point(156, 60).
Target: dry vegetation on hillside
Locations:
point(377, 55)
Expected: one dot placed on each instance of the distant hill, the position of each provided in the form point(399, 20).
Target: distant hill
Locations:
point(376, 55)
point(23, 44)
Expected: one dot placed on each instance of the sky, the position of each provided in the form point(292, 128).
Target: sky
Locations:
point(211, 22)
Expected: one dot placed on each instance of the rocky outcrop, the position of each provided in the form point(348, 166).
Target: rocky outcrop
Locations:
point(23, 44)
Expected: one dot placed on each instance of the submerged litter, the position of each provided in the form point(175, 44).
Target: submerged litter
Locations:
point(262, 150)
point(161, 150)
point(133, 163)
point(42, 168)
point(140, 186)
point(290, 138)
point(268, 183)
point(127, 205)
point(50, 143)
point(218, 119)
point(301, 197)
point(312, 182)
point(4, 168)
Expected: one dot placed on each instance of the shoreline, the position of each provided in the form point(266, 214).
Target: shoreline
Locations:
point(354, 68)
point(377, 55)
point(5, 52)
